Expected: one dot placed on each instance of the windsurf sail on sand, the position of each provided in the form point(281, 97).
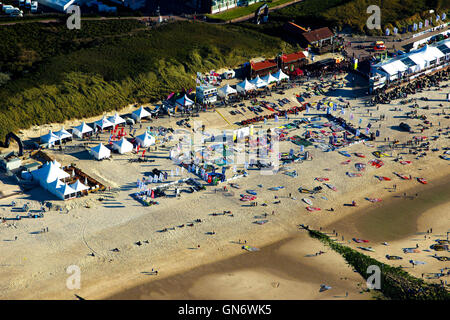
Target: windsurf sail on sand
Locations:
point(321, 179)
point(422, 180)
point(416, 262)
point(346, 162)
point(331, 186)
point(247, 198)
point(324, 287)
point(345, 153)
point(405, 162)
point(261, 221)
point(402, 176)
point(307, 201)
point(252, 192)
point(276, 188)
point(360, 240)
point(383, 178)
point(376, 163)
point(373, 199)
point(360, 155)
point(360, 166)
point(367, 249)
point(249, 248)
point(393, 257)
point(411, 250)
point(353, 175)
point(311, 209)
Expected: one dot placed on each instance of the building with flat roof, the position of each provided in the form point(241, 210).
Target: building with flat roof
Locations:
point(206, 94)
point(58, 5)
point(416, 63)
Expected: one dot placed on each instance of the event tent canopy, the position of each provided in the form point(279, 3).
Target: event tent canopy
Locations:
point(145, 140)
point(116, 119)
point(82, 129)
point(63, 134)
point(394, 67)
point(123, 146)
point(269, 78)
point(258, 82)
point(78, 186)
point(140, 113)
point(104, 123)
point(226, 90)
point(185, 101)
point(279, 75)
point(64, 191)
point(49, 172)
point(100, 152)
point(49, 138)
point(245, 86)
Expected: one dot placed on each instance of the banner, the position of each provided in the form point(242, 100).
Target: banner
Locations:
point(387, 31)
point(444, 16)
point(395, 30)
point(420, 25)
point(426, 23)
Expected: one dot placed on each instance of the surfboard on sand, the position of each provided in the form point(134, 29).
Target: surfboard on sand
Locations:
point(313, 209)
point(307, 201)
point(331, 186)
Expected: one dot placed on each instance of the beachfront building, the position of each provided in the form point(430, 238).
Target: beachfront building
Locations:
point(58, 5)
point(405, 67)
point(293, 61)
point(206, 94)
point(263, 68)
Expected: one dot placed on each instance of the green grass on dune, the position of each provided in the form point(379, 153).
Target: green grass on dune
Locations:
point(62, 75)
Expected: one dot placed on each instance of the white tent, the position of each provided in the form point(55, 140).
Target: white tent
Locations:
point(269, 78)
point(279, 75)
point(63, 134)
point(64, 191)
point(123, 146)
point(394, 67)
point(140, 113)
point(81, 130)
point(145, 140)
point(245, 86)
point(78, 186)
point(103, 123)
point(226, 90)
point(116, 119)
point(185, 101)
point(49, 138)
point(258, 82)
point(48, 173)
point(100, 152)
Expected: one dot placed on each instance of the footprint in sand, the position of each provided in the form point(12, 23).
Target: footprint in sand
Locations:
point(275, 284)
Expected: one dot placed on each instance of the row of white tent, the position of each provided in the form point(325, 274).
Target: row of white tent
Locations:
point(122, 146)
point(253, 84)
point(83, 129)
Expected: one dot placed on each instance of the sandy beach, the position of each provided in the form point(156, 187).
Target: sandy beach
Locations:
point(194, 264)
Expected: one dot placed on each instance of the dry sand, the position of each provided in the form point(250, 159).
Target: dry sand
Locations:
point(35, 265)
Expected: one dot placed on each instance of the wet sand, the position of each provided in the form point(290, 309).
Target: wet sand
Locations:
point(287, 269)
point(397, 217)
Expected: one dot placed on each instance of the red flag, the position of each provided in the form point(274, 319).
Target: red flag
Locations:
point(137, 150)
point(143, 152)
point(153, 194)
